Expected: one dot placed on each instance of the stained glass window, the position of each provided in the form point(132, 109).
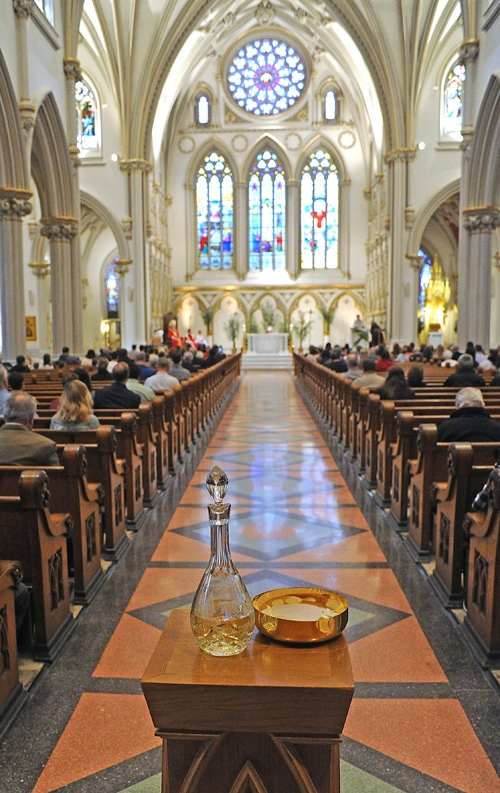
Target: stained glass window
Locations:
point(112, 286)
point(214, 211)
point(319, 212)
point(266, 213)
point(453, 87)
point(203, 110)
point(424, 278)
point(86, 111)
point(266, 77)
point(330, 106)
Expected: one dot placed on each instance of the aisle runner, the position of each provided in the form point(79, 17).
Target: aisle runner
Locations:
point(294, 523)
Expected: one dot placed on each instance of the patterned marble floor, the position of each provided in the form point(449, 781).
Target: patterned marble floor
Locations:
point(424, 717)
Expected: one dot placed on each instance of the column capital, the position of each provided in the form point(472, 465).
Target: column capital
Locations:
point(482, 218)
point(72, 69)
point(469, 50)
point(14, 204)
point(121, 267)
point(59, 228)
point(414, 260)
point(23, 8)
point(40, 269)
point(403, 154)
point(28, 116)
point(135, 164)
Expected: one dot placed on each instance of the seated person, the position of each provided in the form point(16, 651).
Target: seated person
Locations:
point(395, 386)
point(19, 445)
point(4, 392)
point(465, 374)
point(470, 421)
point(415, 377)
point(336, 362)
point(75, 410)
point(133, 384)
point(383, 362)
point(16, 381)
point(162, 380)
point(117, 395)
point(102, 370)
point(369, 378)
point(20, 365)
point(176, 367)
point(353, 370)
point(47, 361)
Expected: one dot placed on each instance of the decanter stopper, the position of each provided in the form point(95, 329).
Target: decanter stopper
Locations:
point(222, 614)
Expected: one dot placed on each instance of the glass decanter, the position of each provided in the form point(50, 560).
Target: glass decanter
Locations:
point(222, 614)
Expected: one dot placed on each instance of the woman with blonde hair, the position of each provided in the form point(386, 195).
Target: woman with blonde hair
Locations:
point(75, 410)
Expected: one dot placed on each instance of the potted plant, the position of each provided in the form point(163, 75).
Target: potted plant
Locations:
point(232, 329)
point(207, 317)
point(327, 321)
point(301, 328)
point(268, 314)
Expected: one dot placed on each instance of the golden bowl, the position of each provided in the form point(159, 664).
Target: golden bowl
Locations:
point(302, 615)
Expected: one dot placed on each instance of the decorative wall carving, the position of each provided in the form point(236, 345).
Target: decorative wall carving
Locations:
point(477, 219)
point(59, 229)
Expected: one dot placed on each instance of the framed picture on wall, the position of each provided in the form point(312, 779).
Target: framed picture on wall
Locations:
point(31, 329)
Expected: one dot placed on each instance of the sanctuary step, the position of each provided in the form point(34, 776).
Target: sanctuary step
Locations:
point(282, 360)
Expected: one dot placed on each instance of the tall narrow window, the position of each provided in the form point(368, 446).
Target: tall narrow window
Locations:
point(266, 213)
point(202, 111)
point(330, 106)
point(112, 287)
point(46, 7)
point(214, 210)
point(319, 212)
point(87, 118)
point(453, 87)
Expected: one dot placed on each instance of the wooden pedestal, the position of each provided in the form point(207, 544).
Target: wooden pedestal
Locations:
point(266, 721)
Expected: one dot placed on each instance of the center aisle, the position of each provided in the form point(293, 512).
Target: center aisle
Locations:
point(294, 522)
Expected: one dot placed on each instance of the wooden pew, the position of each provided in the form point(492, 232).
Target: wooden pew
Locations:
point(11, 689)
point(104, 467)
point(70, 490)
point(469, 466)
point(481, 626)
point(31, 533)
point(128, 449)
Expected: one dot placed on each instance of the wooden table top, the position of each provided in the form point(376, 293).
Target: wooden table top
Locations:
point(270, 687)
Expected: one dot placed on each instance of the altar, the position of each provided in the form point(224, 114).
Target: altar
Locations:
point(267, 343)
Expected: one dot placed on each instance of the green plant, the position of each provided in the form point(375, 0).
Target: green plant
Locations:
point(268, 314)
point(327, 317)
point(253, 325)
point(361, 335)
point(302, 326)
point(232, 328)
point(207, 317)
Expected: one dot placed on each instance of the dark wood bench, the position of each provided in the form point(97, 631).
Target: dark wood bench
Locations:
point(11, 690)
point(31, 533)
point(70, 490)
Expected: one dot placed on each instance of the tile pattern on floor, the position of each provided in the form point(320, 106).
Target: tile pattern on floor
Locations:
point(413, 725)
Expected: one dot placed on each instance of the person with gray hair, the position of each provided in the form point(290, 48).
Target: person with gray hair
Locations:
point(465, 375)
point(353, 370)
point(162, 380)
point(471, 421)
point(4, 389)
point(19, 445)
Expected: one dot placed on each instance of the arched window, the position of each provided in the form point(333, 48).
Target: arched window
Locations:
point(87, 113)
point(112, 289)
point(319, 212)
point(452, 100)
point(202, 110)
point(266, 213)
point(330, 106)
point(214, 212)
point(266, 76)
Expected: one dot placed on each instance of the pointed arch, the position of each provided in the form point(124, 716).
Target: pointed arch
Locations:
point(485, 158)
point(110, 220)
point(14, 171)
point(267, 207)
point(320, 181)
point(50, 162)
point(213, 144)
point(425, 214)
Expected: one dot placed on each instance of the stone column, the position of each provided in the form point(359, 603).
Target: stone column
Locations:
point(73, 73)
point(240, 229)
point(480, 222)
point(398, 309)
point(292, 241)
point(61, 231)
point(14, 205)
point(468, 52)
point(139, 324)
point(344, 224)
point(41, 270)
point(415, 262)
point(23, 10)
